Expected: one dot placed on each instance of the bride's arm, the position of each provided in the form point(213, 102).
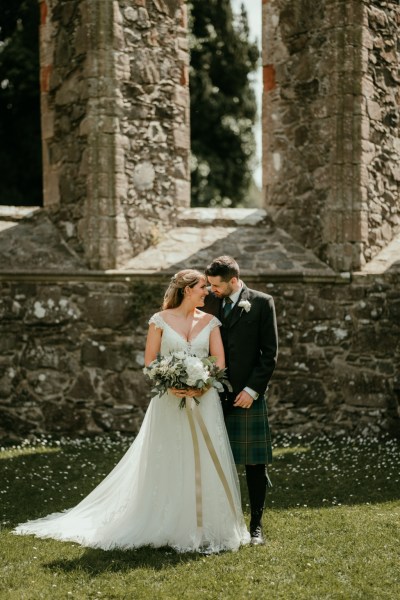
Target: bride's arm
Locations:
point(217, 348)
point(153, 344)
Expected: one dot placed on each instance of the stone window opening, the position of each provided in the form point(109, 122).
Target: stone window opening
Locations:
point(20, 133)
point(115, 125)
point(209, 190)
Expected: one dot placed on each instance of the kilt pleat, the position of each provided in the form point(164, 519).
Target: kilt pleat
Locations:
point(249, 433)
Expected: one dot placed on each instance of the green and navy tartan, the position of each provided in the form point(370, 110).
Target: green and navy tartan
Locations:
point(249, 433)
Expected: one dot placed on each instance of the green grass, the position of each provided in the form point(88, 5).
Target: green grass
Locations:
point(332, 524)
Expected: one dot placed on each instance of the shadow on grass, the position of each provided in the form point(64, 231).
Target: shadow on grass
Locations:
point(321, 474)
point(314, 473)
point(95, 562)
point(36, 484)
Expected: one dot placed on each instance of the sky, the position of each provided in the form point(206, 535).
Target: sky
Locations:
point(254, 13)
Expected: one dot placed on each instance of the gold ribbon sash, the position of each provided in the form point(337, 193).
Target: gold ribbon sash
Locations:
point(197, 466)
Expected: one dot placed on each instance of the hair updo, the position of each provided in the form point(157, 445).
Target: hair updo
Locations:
point(175, 292)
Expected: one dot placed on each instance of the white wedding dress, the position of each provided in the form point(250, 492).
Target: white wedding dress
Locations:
point(149, 498)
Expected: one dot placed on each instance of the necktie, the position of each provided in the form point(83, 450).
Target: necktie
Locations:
point(227, 307)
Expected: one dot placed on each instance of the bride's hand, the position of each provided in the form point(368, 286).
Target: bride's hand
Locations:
point(188, 393)
point(180, 393)
point(198, 393)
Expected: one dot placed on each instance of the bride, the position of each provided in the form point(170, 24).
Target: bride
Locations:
point(177, 484)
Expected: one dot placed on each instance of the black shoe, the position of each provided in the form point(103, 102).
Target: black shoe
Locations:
point(257, 537)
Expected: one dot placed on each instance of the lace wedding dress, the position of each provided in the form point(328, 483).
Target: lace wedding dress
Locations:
point(156, 493)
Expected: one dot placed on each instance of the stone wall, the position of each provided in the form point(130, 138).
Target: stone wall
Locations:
point(153, 75)
point(382, 119)
point(71, 353)
point(339, 362)
point(114, 82)
point(330, 125)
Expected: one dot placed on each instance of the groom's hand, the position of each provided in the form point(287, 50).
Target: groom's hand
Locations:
point(244, 400)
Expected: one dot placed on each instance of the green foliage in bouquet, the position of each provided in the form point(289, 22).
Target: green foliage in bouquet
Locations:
point(185, 371)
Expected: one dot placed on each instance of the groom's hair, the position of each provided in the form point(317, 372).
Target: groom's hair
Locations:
point(225, 267)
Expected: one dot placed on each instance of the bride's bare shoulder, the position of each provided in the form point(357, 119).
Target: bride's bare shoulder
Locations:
point(167, 312)
point(203, 316)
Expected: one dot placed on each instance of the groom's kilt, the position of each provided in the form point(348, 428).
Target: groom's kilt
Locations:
point(249, 433)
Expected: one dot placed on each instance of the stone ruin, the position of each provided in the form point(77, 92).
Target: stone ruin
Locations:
point(80, 277)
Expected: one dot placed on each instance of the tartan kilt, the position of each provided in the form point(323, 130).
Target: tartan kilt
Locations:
point(249, 433)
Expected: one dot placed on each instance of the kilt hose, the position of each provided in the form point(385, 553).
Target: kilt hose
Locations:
point(249, 433)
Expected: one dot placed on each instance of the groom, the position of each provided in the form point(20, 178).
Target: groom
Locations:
point(250, 339)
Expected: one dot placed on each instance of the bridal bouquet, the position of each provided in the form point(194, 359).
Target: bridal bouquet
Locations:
point(185, 371)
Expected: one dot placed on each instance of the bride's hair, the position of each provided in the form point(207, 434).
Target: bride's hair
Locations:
point(176, 289)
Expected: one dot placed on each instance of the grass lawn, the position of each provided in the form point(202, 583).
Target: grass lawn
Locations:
point(332, 524)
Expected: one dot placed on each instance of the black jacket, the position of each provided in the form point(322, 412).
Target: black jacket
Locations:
point(250, 339)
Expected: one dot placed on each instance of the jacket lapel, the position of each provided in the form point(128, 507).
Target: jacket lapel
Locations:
point(214, 306)
point(237, 310)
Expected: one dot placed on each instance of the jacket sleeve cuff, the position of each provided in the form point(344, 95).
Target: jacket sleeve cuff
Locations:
point(252, 393)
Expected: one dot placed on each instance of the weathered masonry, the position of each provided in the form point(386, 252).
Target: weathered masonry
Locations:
point(331, 125)
point(80, 278)
point(114, 81)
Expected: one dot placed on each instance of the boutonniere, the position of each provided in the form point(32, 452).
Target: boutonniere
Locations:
point(245, 305)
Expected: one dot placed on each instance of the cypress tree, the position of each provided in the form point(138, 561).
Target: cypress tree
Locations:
point(222, 103)
point(20, 139)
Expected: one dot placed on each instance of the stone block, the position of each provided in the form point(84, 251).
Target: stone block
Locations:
point(128, 388)
point(14, 425)
point(143, 176)
point(355, 227)
point(374, 110)
point(81, 42)
point(394, 310)
point(69, 91)
point(51, 309)
point(82, 388)
point(47, 122)
point(64, 417)
point(181, 95)
point(105, 310)
point(131, 14)
point(122, 67)
point(182, 193)
point(102, 355)
point(106, 124)
point(303, 391)
point(9, 342)
point(38, 355)
point(369, 336)
point(181, 137)
point(6, 388)
point(48, 382)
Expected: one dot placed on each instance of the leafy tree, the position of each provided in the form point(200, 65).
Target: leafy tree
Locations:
point(20, 140)
point(222, 103)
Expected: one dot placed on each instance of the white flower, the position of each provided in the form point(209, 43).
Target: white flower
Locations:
point(195, 370)
point(245, 304)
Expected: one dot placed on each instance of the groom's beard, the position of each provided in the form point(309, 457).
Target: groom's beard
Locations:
point(227, 292)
